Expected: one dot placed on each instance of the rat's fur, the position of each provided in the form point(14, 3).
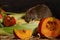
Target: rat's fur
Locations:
point(37, 12)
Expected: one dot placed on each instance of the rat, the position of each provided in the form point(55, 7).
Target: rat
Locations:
point(37, 12)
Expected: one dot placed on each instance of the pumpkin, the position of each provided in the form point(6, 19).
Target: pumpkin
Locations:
point(9, 21)
point(49, 27)
point(23, 34)
point(0, 16)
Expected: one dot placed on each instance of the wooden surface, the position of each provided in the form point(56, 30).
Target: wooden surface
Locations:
point(32, 38)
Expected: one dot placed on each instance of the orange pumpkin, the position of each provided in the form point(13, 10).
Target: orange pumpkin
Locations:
point(49, 27)
point(23, 34)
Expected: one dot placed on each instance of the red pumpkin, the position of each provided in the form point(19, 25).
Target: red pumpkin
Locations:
point(49, 27)
point(9, 21)
point(0, 16)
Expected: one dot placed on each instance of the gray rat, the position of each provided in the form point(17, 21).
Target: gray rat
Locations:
point(37, 12)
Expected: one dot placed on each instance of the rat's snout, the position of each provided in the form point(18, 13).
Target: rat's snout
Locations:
point(27, 19)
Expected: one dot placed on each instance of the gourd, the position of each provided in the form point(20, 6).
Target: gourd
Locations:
point(23, 34)
point(49, 27)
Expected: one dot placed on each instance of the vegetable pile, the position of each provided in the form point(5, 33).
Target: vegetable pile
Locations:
point(13, 24)
point(11, 21)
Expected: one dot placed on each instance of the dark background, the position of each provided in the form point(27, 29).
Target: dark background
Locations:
point(23, 5)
